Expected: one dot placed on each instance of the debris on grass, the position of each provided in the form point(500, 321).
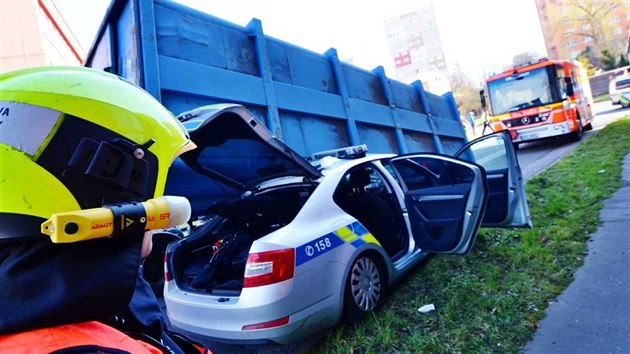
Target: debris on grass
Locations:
point(426, 308)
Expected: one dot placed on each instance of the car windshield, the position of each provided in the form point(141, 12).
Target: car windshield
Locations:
point(516, 92)
point(623, 83)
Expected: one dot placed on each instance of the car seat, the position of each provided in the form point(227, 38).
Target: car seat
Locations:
point(373, 211)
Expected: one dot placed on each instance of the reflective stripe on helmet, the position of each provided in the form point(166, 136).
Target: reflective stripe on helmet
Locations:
point(26, 127)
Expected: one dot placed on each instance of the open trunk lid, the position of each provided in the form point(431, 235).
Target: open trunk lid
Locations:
point(235, 152)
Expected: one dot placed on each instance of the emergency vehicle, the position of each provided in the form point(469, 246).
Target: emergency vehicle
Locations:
point(541, 99)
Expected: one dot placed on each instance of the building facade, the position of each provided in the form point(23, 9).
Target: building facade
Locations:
point(34, 33)
point(415, 45)
point(571, 27)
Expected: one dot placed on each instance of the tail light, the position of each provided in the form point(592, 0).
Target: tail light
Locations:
point(167, 274)
point(270, 267)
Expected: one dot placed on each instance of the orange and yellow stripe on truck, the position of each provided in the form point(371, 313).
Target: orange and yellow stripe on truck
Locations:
point(535, 117)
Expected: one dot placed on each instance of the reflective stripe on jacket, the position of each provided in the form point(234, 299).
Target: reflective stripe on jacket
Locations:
point(92, 336)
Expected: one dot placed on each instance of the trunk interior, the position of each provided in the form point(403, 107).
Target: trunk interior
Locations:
point(212, 259)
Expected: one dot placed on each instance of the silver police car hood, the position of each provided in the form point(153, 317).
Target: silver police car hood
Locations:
point(234, 153)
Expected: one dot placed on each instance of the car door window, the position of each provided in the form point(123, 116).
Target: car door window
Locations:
point(490, 154)
point(388, 167)
point(507, 202)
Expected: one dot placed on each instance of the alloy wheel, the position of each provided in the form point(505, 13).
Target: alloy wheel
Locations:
point(366, 283)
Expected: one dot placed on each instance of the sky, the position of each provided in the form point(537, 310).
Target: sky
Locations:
point(478, 36)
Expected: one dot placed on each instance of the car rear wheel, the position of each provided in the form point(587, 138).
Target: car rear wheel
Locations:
point(364, 288)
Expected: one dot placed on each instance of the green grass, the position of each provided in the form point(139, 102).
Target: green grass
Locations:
point(601, 98)
point(491, 300)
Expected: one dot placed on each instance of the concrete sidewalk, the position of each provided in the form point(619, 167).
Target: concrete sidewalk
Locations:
point(592, 315)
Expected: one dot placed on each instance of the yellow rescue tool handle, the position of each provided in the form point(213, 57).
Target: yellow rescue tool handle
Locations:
point(117, 219)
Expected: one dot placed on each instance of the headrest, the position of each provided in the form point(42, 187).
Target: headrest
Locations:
point(360, 178)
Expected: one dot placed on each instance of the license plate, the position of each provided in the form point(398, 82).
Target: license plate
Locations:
point(529, 136)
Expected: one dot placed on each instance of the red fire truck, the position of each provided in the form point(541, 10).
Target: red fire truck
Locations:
point(540, 99)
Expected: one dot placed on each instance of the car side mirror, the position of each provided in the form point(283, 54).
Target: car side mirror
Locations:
point(569, 85)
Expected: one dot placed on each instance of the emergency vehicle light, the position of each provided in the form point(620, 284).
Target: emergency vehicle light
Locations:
point(535, 61)
point(350, 152)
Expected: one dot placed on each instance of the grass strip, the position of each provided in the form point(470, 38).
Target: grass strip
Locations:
point(601, 98)
point(491, 300)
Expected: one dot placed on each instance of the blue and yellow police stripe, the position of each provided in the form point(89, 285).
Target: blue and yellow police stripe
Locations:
point(354, 234)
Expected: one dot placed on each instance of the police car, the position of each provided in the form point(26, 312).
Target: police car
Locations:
point(288, 247)
point(619, 90)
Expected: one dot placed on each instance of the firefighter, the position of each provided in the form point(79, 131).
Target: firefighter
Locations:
point(71, 139)
point(485, 118)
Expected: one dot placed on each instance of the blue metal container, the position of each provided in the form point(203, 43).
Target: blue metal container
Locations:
point(186, 58)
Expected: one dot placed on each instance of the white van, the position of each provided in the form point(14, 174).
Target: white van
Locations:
point(619, 90)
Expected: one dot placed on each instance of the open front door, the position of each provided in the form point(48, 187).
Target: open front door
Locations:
point(445, 199)
point(507, 202)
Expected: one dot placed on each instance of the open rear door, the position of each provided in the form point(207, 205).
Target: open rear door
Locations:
point(507, 202)
point(445, 199)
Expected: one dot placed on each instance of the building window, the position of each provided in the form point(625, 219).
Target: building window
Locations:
point(571, 43)
point(614, 19)
point(586, 27)
point(587, 39)
point(618, 30)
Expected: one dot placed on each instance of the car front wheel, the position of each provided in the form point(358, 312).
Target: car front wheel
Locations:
point(577, 135)
point(364, 288)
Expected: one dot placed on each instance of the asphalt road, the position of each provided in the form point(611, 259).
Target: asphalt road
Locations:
point(536, 156)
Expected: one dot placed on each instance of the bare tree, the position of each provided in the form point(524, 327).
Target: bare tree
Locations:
point(586, 20)
point(523, 58)
point(466, 93)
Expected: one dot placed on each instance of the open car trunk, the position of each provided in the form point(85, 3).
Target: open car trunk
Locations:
point(212, 259)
